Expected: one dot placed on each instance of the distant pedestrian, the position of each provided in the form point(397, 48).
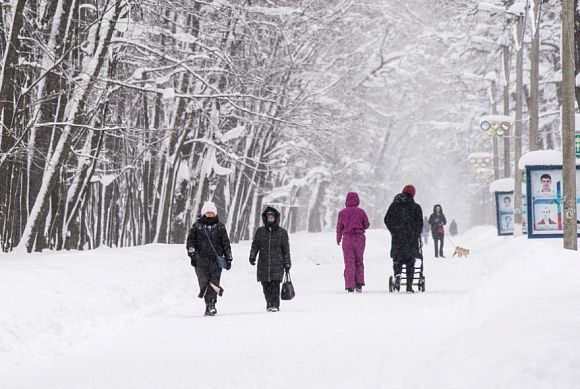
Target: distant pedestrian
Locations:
point(437, 221)
point(272, 248)
point(350, 230)
point(453, 228)
point(404, 220)
point(207, 239)
point(426, 230)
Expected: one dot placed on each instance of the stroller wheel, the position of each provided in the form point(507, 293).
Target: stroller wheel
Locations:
point(391, 286)
point(422, 284)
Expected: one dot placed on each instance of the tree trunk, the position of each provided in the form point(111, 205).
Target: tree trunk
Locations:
point(91, 70)
point(534, 76)
point(519, 125)
point(494, 139)
point(7, 77)
point(506, 110)
point(568, 138)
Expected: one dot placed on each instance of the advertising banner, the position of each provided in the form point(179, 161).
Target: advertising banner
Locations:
point(504, 205)
point(545, 196)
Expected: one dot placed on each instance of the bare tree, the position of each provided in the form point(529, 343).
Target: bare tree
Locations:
point(568, 138)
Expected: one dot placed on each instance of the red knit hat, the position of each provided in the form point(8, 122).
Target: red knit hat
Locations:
point(410, 190)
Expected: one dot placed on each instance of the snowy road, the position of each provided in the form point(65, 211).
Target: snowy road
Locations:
point(129, 319)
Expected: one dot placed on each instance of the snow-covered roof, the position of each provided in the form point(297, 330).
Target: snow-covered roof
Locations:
point(505, 185)
point(496, 118)
point(502, 185)
point(540, 157)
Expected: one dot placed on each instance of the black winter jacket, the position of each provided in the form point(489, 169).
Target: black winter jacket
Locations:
point(198, 239)
point(404, 220)
point(272, 245)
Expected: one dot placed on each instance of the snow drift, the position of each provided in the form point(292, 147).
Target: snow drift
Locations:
point(506, 317)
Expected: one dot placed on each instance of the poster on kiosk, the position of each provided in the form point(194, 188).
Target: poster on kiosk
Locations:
point(503, 190)
point(545, 195)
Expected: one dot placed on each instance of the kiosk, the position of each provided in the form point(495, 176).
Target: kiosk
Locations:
point(503, 192)
point(545, 192)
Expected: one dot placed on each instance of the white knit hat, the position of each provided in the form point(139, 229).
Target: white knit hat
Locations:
point(208, 206)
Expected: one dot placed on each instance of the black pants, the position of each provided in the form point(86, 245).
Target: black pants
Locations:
point(398, 268)
point(208, 272)
point(272, 293)
point(438, 239)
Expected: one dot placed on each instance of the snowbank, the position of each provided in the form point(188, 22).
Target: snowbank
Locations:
point(50, 300)
point(518, 331)
point(505, 317)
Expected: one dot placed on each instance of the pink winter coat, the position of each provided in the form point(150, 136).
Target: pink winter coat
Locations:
point(352, 220)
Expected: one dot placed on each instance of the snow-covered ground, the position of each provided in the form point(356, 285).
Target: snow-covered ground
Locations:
point(506, 317)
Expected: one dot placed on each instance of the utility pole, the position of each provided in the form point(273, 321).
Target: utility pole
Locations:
point(493, 103)
point(506, 110)
point(519, 45)
point(534, 75)
point(568, 126)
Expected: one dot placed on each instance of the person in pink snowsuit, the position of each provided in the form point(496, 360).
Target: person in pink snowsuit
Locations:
point(350, 229)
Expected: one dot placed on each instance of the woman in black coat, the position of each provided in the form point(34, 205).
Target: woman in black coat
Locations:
point(437, 221)
point(272, 247)
point(206, 239)
point(404, 220)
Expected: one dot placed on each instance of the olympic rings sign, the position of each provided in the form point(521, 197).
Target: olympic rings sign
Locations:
point(496, 125)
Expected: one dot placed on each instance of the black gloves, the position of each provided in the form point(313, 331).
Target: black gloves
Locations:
point(253, 261)
point(287, 266)
point(228, 265)
point(192, 256)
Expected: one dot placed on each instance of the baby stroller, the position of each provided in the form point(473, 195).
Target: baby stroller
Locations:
point(418, 276)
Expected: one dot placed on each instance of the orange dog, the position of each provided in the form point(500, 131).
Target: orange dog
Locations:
point(461, 252)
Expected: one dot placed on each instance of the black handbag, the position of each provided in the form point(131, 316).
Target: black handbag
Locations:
point(287, 288)
point(221, 261)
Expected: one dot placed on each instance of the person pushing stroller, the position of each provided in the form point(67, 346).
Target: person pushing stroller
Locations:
point(404, 220)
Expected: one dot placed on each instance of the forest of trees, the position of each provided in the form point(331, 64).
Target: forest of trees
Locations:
point(120, 117)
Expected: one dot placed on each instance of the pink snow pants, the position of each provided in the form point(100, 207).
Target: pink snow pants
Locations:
point(353, 248)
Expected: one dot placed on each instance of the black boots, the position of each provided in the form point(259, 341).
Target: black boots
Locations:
point(358, 288)
point(210, 309)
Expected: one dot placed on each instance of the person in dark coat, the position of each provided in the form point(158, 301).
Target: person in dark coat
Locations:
point(404, 220)
point(205, 233)
point(453, 228)
point(272, 248)
point(437, 221)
